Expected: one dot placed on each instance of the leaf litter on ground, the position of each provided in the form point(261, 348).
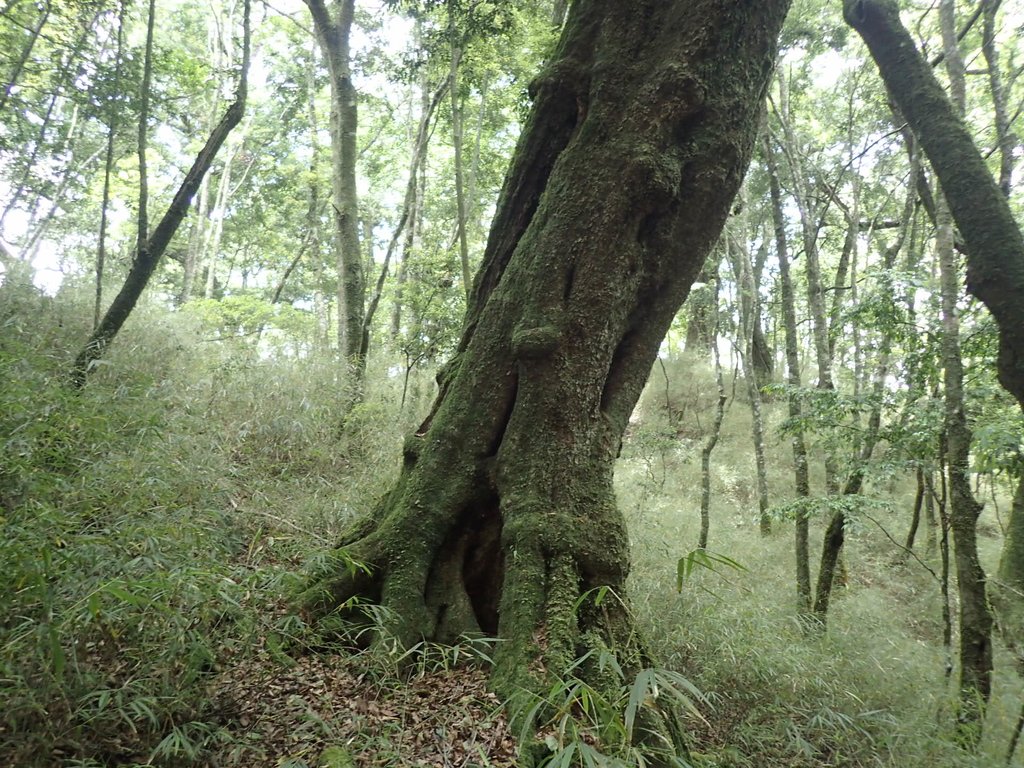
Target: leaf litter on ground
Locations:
point(288, 715)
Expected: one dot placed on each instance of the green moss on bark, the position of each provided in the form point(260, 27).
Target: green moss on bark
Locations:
point(640, 136)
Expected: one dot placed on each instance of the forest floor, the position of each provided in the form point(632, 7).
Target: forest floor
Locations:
point(441, 716)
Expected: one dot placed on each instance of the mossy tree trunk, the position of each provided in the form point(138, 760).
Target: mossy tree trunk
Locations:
point(504, 514)
point(332, 24)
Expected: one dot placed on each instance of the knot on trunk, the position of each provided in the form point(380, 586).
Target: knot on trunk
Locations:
point(671, 98)
point(535, 342)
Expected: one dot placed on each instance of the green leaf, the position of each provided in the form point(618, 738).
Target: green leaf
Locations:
point(56, 651)
point(703, 558)
point(642, 686)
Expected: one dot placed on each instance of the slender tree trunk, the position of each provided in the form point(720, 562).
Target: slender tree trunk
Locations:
point(1005, 139)
point(409, 204)
point(196, 240)
point(334, 35)
point(503, 518)
point(836, 531)
point(197, 252)
point(456, 104)
point(142, 221)
point(472, 183)
point(947, 611)
point(712, 439)
point(745, 347)
point(810, 228)
point(995, 259)
point(915, 515)
point(995, 252)
point(845, 270)
point(211, 244)
point(427, 104)
point(314, 210)
point(762, 356)
point(975, 618)
point(151, 248)
point(930, 519)
point(975, 621)
point(801, 473)
point(108, 166)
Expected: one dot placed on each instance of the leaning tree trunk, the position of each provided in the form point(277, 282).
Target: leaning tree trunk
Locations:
point(504, 514)
point(993, 243)
point(151, 247)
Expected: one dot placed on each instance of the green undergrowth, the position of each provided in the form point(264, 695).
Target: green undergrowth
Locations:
point(150, 526)
point(869, 691)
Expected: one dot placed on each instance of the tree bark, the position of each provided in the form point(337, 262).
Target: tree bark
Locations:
point(333, 33)
point(801, 472)
point(995, 274)
point(152, 248)
point(745, 345)
point(503, 519)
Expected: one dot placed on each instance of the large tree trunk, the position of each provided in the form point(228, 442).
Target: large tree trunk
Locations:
point(504, 514)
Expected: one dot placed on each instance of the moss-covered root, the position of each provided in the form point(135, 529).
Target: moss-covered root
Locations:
point(338, 581)
point(567, 645)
